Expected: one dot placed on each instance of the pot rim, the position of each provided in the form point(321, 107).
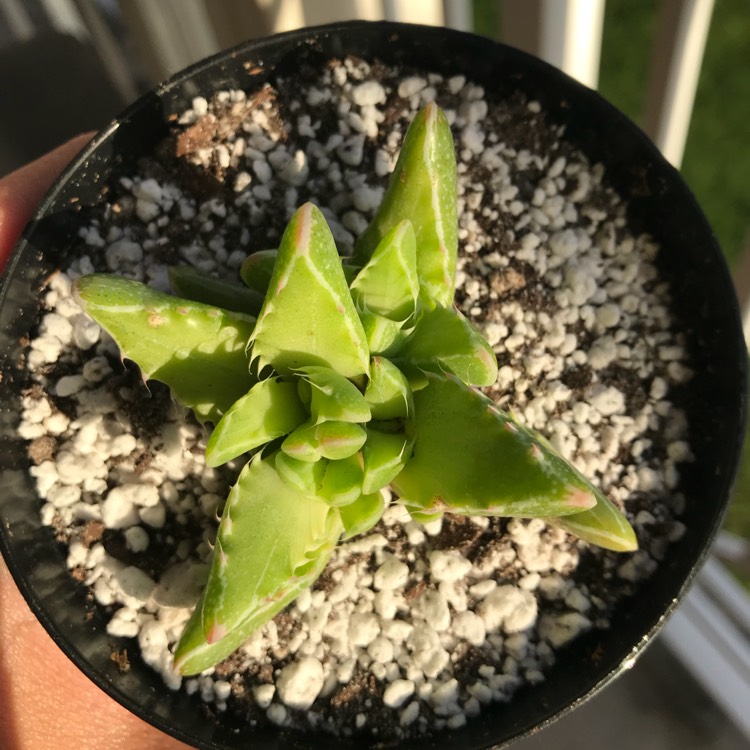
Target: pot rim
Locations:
point(629, 649)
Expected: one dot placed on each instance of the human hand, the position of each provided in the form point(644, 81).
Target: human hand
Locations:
point(45, 701)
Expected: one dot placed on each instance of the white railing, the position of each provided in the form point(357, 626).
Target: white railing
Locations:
point(710, 634)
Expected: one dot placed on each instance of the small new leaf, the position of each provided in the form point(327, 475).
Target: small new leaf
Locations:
point(342, 483)
point(388, 393)
point(269, 410)
point(311, 442)
point(388, 284)
point(361, 515)
point(385, 455)
point(445, 339)
point(257, 269)
point(333, 397)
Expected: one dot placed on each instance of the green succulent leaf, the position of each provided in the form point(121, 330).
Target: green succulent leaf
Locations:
point(333, 397)
point(306, 476)
point(386, 290)
point(198, 350)
point(273, 542)
point(419, 515)
point(602, 525)
point(256, 270)
point(390, 432)
point(342, 483)
point(269, 410)
point(383, 334)
point(388, 284)
point(308, 317)
point(334, 440)
point(445, 338)
point(384, 454)
point(422, 189)
point(388, 392)
point(303, 444)
point(469, 457)
point(361, 515)
point(414, 375)
point(337, 440)
point(195, 285)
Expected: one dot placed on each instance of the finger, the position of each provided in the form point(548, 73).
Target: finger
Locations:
point(47, 702)
point(22, 190)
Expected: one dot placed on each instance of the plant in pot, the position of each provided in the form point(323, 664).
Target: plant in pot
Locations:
point(357, 387)
point(583, 299)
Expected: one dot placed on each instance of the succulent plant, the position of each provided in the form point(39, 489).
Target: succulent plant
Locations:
point(338, 378)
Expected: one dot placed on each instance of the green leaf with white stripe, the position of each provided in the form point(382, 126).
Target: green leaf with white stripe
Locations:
point(269, 410)
point(256, 270)
point(273, 542)
point(388, 284)
point(198, 350)
point(422, 189)
point(471, 458)
point(386, 290)
point(308, 317)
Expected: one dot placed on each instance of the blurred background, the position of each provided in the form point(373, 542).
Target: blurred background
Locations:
point(677, 67)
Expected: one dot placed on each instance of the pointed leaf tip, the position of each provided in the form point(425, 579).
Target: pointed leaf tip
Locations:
point(603, 525)
point(308, 316)
point(446, 339)
point(423, 189)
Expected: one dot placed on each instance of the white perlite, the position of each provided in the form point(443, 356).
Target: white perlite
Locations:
point(300, 683)
point(404, 606)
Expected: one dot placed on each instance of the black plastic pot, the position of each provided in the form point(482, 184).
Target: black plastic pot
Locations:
point(659, 203)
